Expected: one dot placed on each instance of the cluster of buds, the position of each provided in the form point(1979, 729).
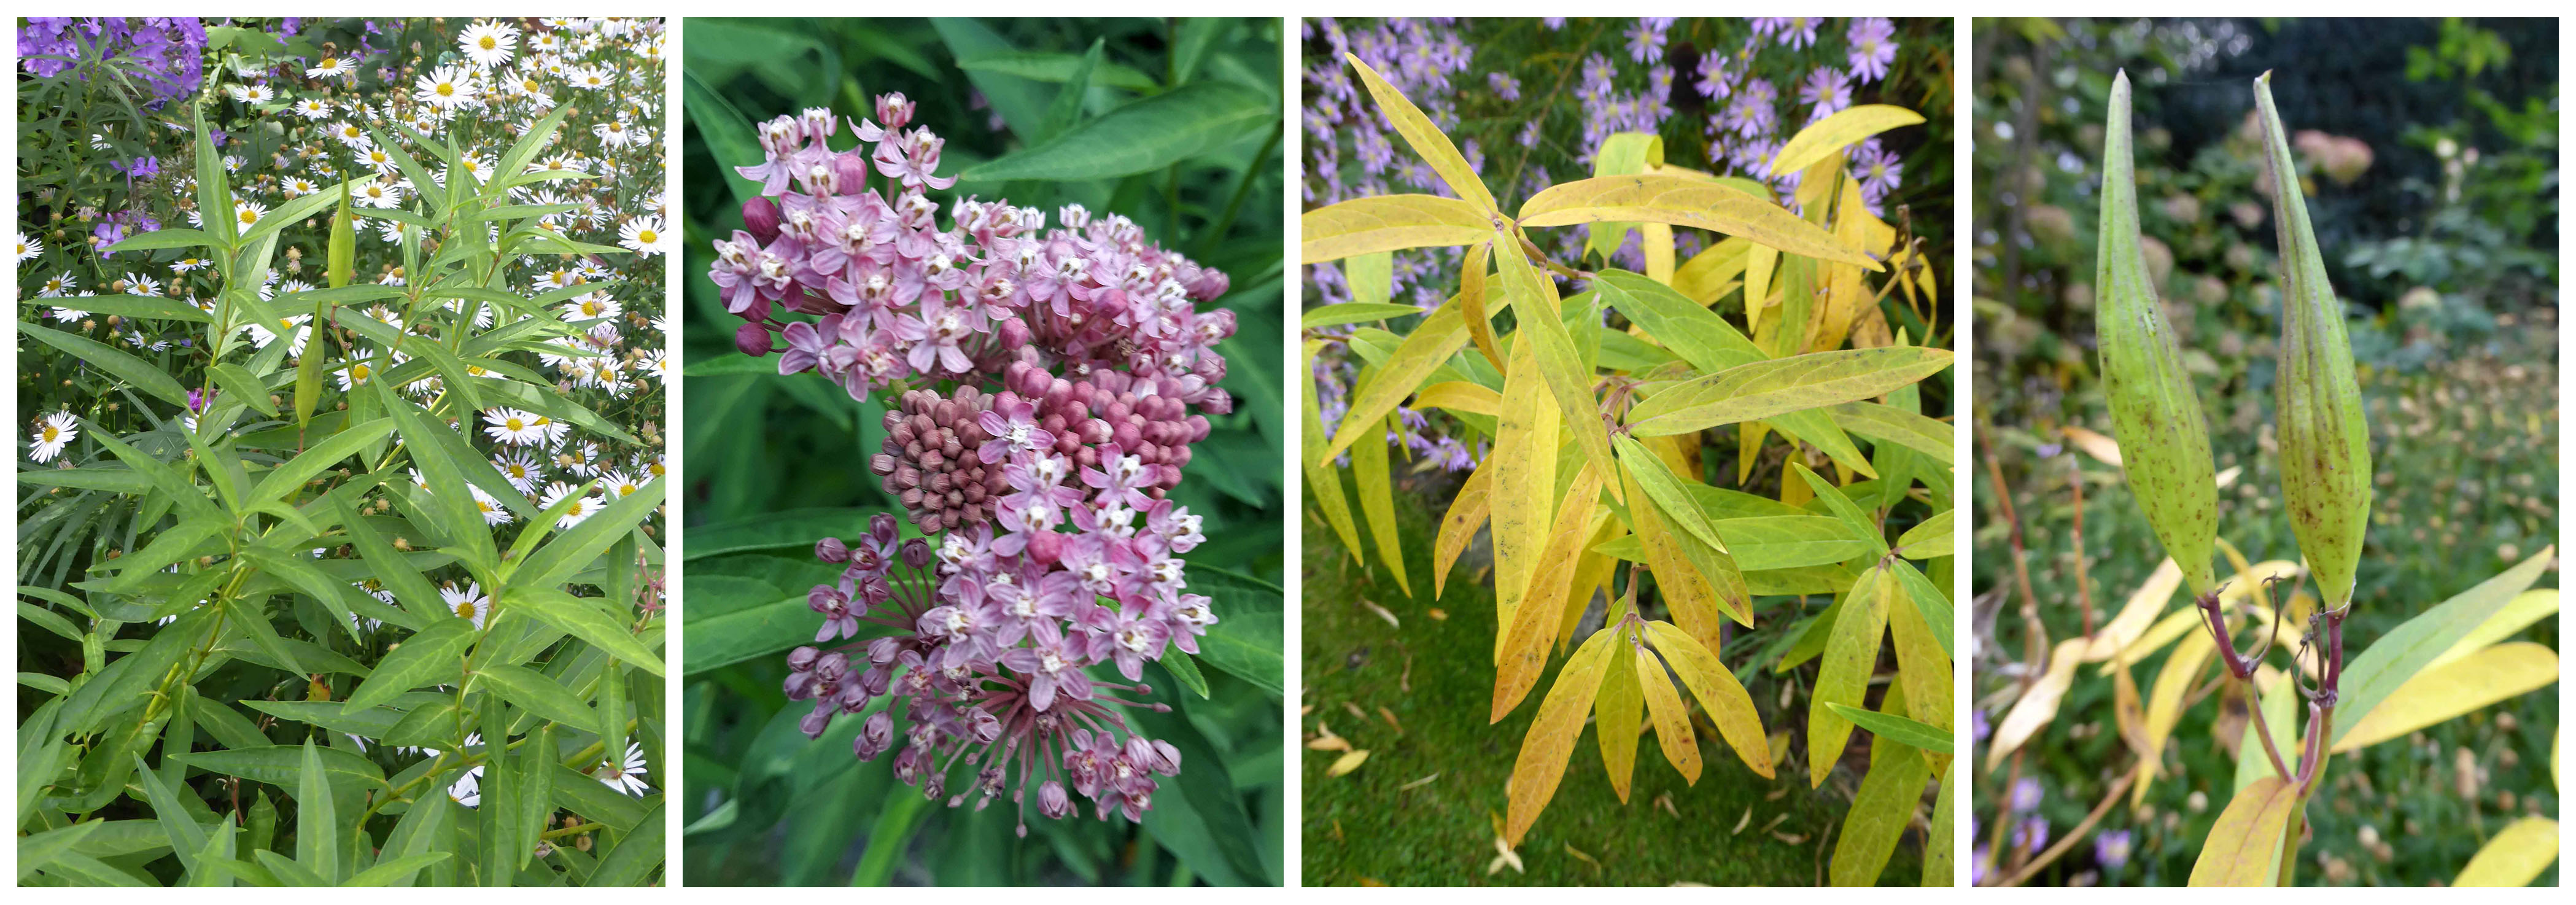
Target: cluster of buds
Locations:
point(898, 297)
point(1044, 390)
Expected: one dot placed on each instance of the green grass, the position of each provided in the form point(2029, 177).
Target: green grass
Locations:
point(1436, 676)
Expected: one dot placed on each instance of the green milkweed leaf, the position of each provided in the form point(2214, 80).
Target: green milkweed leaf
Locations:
point(116, 362)
point(534, 692)
point(1140, 137)
point(432, 656)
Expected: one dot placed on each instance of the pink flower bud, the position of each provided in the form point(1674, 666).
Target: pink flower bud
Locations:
point(852, 169)
point(760, 216)
point(831, 549)
point(753, 339)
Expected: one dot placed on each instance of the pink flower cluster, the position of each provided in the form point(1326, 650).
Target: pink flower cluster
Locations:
point(1045, 389)
point(898, 297)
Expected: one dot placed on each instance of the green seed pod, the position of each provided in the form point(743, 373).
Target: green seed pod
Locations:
point(2325, 442)
point(2164, 441)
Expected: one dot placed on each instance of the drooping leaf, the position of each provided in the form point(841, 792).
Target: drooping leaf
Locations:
point(1617, 709)
point(582, 618)
point(1672, 720)
point(1879, 814)
point(1530, 622)
point(1718, 693)
point(1552, 736)
point(1850, 658)
point(2394, 660)
point(1524, 484)
point(1139, 137)
point(1940, 850)
point(1458, 526)
point(2458, 687)
point(2514, 857)
point(1370, 475)
point(116, 362)
point(1839, 131)
point(1425, 139)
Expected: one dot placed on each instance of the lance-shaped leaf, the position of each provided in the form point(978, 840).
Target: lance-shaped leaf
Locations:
point(534, 692)
point(1889, 424)
point(1377, 503)
point(570, 552)
point(1528, 624)
point(2165, 702)
point(1461, 396)
point(116, 362)
point(1669, 491)
point(1940, 850)
point(1693, 596)
point(1692, 331)
point(1850, 658)
point(2515, 857)
point(2164, 439)
point(1765, 389)
point(1931, 538)
point(1140, 137)
point(1471, 301)
point(2398, 656)
point(1622, 154)
point(2442, 692)
point(2325, 440)
point(1353, 313)
point(2243, 848)
point(1890, 727)
point(1389, 222)
point(2519, 613)
point(1672, 719)
point(1371, 277)
point(1836, 132)
point(1458, 526)
point(1687, 201)
point(432, 656)
point(1616, 712)
point(1569, 380)
point(1879, 813)
point(1524, 464)
point(317, 828)
point(1922, 667)
point(582, 618)
point(1861, 524)
point(1718, 692)
point(1552, 736)
point(287, 478)
point(1424, 138)
point(1322, 479)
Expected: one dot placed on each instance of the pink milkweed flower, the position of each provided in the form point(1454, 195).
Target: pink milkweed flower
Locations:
point(1014, 427)
point(912, 159)
point(942, 329)
point(1174, 525)
point(1127, 638)
point(1053, 664)
point(894, 109)
point(834, 604)
point(1121, 478)
point(806, 343)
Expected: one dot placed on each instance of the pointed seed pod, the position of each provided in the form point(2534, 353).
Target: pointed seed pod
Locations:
point(2164, 441)
point(2325, 441)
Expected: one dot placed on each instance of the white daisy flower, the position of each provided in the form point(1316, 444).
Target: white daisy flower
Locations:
point(185, 265)
point(53, 433)
point(590, 306)
point(246, 213)
point(581, 509)
point(468, 603)
point(58, 287)
point(28, 248)
point(521, 469)
point(332, 68)
point(468, 789)
point(644, 236)
point(514, 427)
point(378, 194)
point(263, 334)
point(313, 108)
point(494, 515)
point(489, 44)
point(618, 484)
point(445, 89)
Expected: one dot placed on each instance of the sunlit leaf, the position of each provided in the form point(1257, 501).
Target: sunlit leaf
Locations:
point(2462, 685)
point(1839, 131)
point(1718, 693)
point(1386, 223)
point(2397, 656)
point(1850, 658)
point(1551, 738)
point(1425, 139)
point(1763, 389)
point(1529, 623)
point(1671, 718)
point(2243, 847)
point(1685, 201)
point(1616, 713)
point(2514, 857)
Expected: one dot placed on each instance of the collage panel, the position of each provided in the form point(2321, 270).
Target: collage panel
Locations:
point(983, 464)
point(340, 522)
point(2266, 381)
point(1627, 404)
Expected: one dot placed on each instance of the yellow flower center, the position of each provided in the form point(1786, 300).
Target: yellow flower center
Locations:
point(248, 216)
point(646, 236)
point(358, 371)
point(465, 609)
point(489, 43)
point(515, 425)
point(52, 432)
point(446, 90)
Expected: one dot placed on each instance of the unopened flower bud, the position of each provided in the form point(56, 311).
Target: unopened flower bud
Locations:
point(752, 339)
point(852, 169)
point(916, 553)
point(831, 549)
point(760, 217)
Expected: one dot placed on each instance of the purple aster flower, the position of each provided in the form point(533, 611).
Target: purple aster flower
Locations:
point(1798, 32)
point(1504, 85)
point(2031, 834)
point(1873, 47)
point(2111, 849)
point(1712, 76)
point(1828, 90)
point(1646, 39)
point(2026, 794)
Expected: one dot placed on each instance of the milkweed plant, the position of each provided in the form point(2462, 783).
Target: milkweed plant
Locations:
point(1597, 408)
point(340, 509)
point(1043, 385)
point(2305, 698)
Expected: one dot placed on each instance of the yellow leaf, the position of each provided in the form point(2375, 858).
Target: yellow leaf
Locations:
point(1458, 526)
point(2519, 613)
point(1324, 480)
point(1524, 487)
point(1833, 133)
point(1763, 389)
point(2514, 857)
point(2134, 617)
point(1658, 244)
point(1705, 277)
point(1940, 850)
point(1552, 735)
point(1687, 593)
point(1460, 396)
point(1569, 381)
point(1616, 713)
point(1687, 201)
point(1424, 138)
point(1347, 763)
point(1719, 694)
point(1527, 625)
point(2101, 448)
point(2164, 704)
point(2038, 706)
point(1377, 504)
point(1621, 154)
point(1672, 720)
point(1389, 222)
point(1930, 538)
point(1842, 676)
point(1471, 301)
point(1591, 575)
point(1371, 277)
point(2243, 845)
point(2462, 685)
point(1922, 667)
